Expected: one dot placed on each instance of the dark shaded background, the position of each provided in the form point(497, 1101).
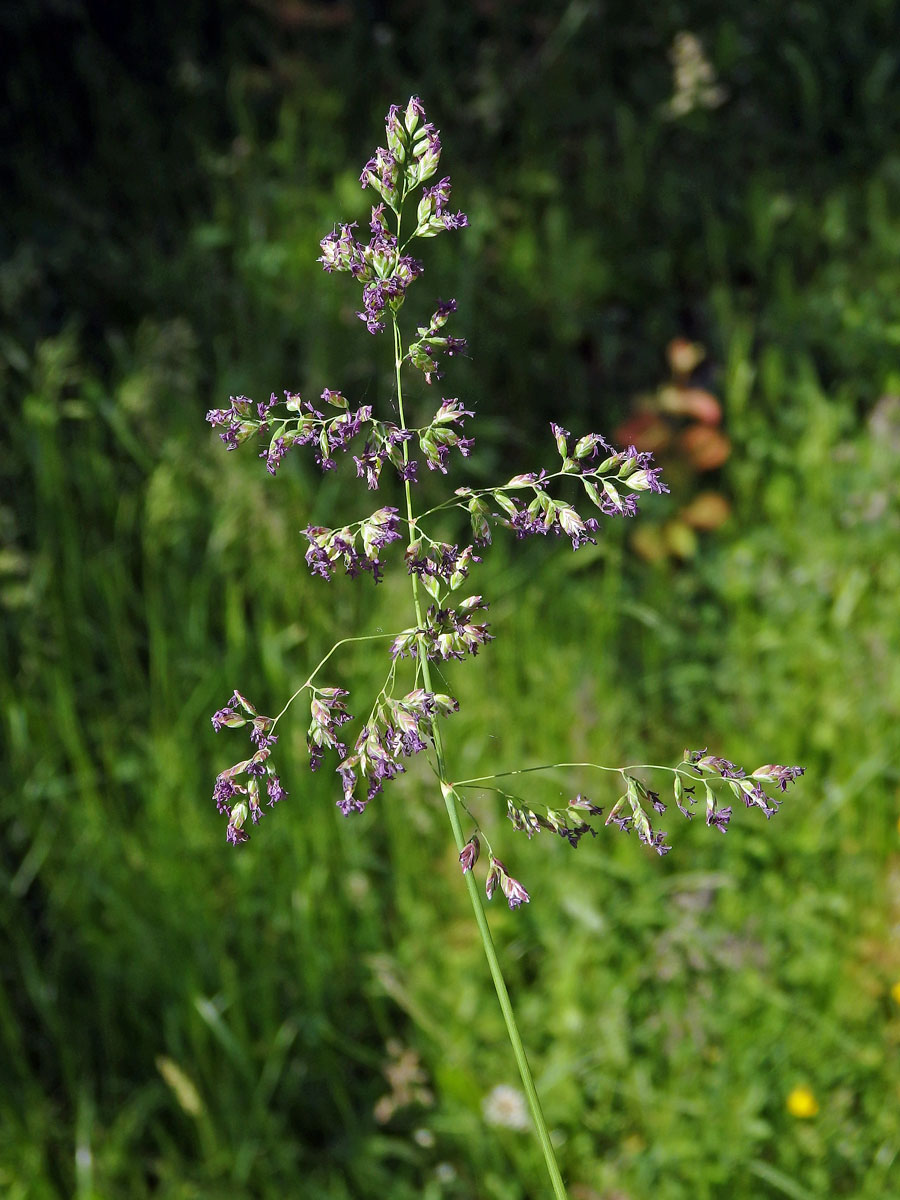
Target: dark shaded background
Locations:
point(115, 115)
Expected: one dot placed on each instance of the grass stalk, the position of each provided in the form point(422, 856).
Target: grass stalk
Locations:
point(451, 801)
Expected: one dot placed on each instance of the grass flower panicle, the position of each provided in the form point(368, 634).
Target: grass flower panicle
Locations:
point(240, 801)
point(405, 717)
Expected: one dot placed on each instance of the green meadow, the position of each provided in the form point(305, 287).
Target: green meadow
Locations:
point(310, 1015)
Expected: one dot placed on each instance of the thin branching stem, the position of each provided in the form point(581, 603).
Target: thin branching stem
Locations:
point(366, 637)
point(460, 783)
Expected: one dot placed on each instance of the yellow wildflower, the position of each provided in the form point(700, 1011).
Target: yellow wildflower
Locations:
point(802, 1103)
point(895, 992)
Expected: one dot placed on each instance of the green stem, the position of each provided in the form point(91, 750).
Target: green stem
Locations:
point(450, 800)
point(593, 766)
point(366, 637)
point(506, 1007)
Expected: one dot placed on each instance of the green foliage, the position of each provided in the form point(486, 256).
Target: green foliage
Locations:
point(180, 1021)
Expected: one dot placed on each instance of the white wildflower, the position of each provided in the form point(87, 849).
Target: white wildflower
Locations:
point(505, 1106)
point(695, 78)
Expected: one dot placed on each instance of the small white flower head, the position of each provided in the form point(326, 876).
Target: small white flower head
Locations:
point(505, 1107)
point(695, 83)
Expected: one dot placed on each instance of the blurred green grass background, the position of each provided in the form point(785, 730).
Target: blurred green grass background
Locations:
point(180, 1020)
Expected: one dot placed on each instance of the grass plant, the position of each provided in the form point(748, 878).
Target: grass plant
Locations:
point(402, 724)
point(689, 997)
